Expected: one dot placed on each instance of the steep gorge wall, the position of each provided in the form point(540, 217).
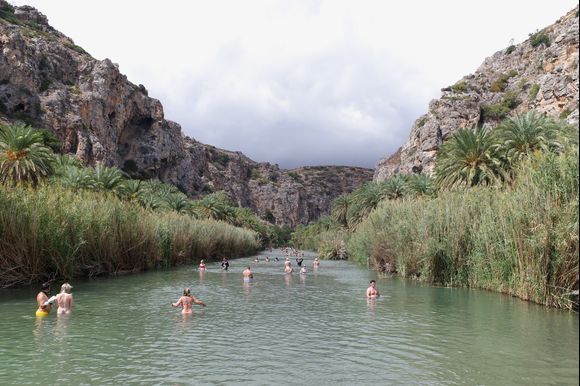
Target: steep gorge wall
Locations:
point(525, 77)
point(47, 81)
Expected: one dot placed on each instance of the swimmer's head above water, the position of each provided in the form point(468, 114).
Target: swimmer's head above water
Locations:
point(186, 292)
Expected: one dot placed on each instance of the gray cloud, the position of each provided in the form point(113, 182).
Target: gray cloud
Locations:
point(342, 106)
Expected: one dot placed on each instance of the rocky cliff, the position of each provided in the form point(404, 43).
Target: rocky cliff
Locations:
point(540, 74)
point(47, 81)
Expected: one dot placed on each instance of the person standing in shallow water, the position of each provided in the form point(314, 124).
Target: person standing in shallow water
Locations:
point(225, 264)
point(186, 301)
point(372, 291)
point(248, 275)
point(64, 300)
point(42, 299)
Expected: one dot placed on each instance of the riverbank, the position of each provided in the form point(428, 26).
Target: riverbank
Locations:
point(51, 232)
point(520, 240)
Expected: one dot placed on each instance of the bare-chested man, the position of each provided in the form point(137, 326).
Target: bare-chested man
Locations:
point(248, 275)
point(372, 291)
point(186, 301)
point(64, 300)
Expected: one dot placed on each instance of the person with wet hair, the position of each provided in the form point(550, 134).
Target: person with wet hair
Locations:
point(372, 291)
point(64, 300)
point(186, 301)
point(43, 300)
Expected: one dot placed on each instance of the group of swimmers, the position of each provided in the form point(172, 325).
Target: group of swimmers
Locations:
point(63, 301)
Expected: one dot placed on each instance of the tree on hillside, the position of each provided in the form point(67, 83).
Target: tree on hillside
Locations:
point(420, 185)
point(339, 209)
point(363, 201)
point(23, 155)
point(395, 187)
point(469, 158)
point(524, 134)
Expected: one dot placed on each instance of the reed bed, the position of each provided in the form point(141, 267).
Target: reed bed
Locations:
point(52, 232)
point(521, 240)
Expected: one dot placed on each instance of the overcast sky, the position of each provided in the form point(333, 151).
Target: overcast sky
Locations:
point(298, 82)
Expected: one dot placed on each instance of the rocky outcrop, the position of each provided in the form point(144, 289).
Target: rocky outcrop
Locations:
point(47, 81)
point(540, 74)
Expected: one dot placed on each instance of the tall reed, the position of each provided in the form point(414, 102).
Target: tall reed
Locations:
point(522, 240)
point(53, 232)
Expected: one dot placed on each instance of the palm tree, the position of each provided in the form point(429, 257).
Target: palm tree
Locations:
point(524, 134)
point(420, 185)
point(395, 187)
point(178, 202)
point(73, 177)
point(23, 155)
point(109, 179)
point(364, 200)
point(340, 207)
point(468, 158)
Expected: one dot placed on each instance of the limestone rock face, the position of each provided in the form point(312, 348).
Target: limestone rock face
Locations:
point(47, 81)
point(521, 78)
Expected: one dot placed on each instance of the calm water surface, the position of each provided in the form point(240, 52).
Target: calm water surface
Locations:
point(312, 329)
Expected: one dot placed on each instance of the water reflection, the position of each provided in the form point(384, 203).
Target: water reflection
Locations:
point(61, 327)
point(288, 279)
point(201, 276)
point(246, 285)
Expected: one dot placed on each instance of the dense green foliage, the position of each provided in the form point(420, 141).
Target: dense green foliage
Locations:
point(501, 214)
point(522, 241)
point(24, 157)
point(53, 231)
point(169, 228)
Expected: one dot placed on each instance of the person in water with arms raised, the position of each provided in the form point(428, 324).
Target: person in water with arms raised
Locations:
point(372, 291)
point(186, 301)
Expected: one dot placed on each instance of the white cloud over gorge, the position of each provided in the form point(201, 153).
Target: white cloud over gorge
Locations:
point(297, 82)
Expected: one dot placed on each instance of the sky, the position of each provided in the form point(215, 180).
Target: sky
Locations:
point(298, 82)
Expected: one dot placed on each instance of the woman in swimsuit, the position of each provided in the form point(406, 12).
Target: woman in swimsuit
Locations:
point(42, 299)
point(64, 299)
point(202, 265)
point(186, 301)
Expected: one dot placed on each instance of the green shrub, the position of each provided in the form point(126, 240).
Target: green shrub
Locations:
point(501, 83)
point(539, 37)
point(495, 111)
point(460, 87)
point(295, 176)
point(534, 91)
point(565, 113)
point(510, 49)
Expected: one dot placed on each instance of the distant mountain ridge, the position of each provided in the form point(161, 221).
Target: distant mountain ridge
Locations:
point(47, 81)
point(539, 74)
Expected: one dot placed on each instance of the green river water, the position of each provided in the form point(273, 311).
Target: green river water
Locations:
point(313, 329)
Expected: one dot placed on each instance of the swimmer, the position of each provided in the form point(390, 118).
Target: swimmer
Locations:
point(225, 264)
point(267, 259)
point(248, 275)
point(303, 270)
point(316, 262)
point(202, 265)
point(42, 299)
point(288, 269)
point(64, 300)
point(372, 291)
point(186, 301)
